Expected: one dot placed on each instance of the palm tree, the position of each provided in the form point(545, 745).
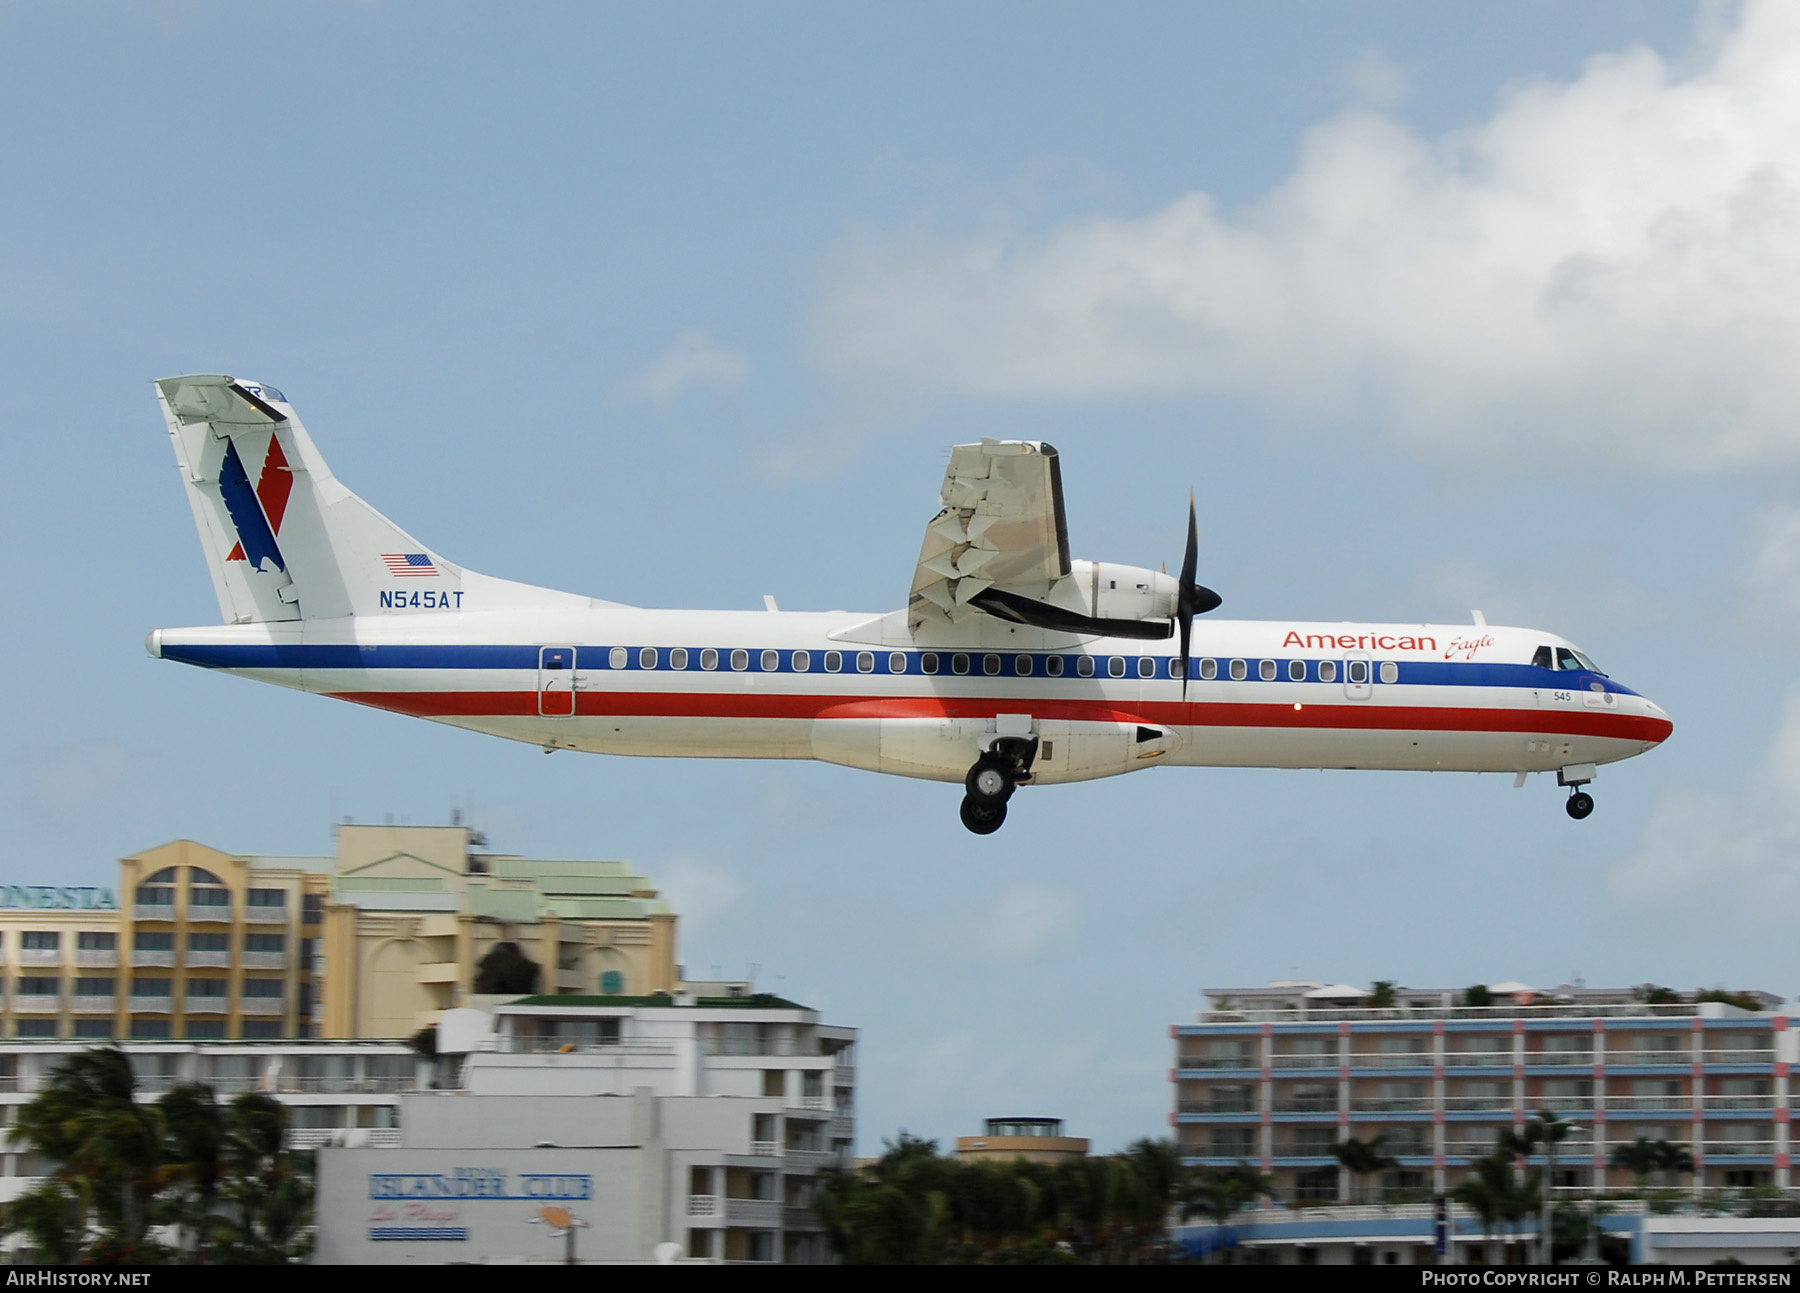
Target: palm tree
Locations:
point(1640, 1158)
point(194, 1131)
point(1363, 1158)
point(1493, 1192)
point(268, 1191)
point(1218, 1194)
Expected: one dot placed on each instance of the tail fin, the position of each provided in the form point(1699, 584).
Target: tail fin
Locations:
point(283, 539)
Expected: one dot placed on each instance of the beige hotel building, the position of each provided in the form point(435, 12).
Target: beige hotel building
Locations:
point(373, 942)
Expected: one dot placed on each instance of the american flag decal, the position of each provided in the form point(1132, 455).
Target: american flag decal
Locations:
point(403, 565)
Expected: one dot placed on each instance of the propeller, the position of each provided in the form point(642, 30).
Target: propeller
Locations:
point(1191, 599)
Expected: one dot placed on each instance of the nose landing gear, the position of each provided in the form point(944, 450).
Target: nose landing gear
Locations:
point(992, 780)
point(1580, 802)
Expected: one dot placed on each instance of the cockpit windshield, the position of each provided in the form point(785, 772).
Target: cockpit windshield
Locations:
point(1562, 657)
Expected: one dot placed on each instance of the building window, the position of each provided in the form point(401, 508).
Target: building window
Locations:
point(38, 986)
point(612, 984)
point(156, 895)
point(208, 988)
point(96, 987)
point(40, 940)
point(205, 1029)
point(89, 940)
point(312, 908)
point(208, 897)
point(267, 898)
point(263, 989)
point(265, 942)
point(149, 1028)
point(262, 1028)
point(153, 941)
point(36, 1028)
point(147, 987)
point(100, 1029)
point(209, 942)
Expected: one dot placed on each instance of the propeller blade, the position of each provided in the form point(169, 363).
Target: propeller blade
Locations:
point(1184, 602)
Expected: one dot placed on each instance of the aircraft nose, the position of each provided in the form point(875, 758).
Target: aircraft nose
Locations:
point(1661, 727)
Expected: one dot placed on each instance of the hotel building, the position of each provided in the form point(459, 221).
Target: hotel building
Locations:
point(1276, 1076)
point(197, 944)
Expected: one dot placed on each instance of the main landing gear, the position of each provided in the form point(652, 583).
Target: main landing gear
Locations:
point(991, 782)
point(1580, 804)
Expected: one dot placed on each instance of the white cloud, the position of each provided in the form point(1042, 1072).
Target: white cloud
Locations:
point(1773, 575)
point(1377, 80)
point(1735, 853)
point(696, 891)
point(1611, 263)
point(1027, 918)
point(694, 360)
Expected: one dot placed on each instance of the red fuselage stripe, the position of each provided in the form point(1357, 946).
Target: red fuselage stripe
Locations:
point(1365, 717)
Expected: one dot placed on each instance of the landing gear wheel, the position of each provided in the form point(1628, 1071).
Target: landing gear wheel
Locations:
point(1580, 804)
point(987, 781)
point(983, 816)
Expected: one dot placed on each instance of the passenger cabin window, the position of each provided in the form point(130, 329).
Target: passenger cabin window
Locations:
point(1177, 667)
point(618, 657)
point(1358, 674)
point(990, 665)
point(1115, 666)
point(865, 662)
point(677, 657)
point(1209, 669)
point(1390, 672)
point(1084, 665)
point(1239, 671)
point(1266, 670)
point(802, 661)
point(897, 662)
point(1328, 671)
point(709, 658)
point(1146, 666)
point(771, 661)
point(1296, 671)
point(647, 658)
point(740, 659)
point(834, 661)
point(959, 663)
point(1053, 665)
point(928, 663)
point(1022, 665)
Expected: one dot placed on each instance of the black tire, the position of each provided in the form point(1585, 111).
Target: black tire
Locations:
point(998, 788)
point(983, 816)
point(1580, 804)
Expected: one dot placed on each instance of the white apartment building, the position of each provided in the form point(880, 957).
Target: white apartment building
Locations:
point(1276, 1076)
point(690, 1125)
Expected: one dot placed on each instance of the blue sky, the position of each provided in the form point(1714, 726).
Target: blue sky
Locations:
point(1434, 307)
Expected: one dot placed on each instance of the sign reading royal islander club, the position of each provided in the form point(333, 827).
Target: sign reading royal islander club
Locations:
point(49, 897)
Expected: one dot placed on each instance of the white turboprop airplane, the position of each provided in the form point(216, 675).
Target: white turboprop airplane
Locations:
point(1011, 664)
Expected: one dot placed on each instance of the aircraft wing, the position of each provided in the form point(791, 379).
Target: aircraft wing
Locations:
point(1001, 526)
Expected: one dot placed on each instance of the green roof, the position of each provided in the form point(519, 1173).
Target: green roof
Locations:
point(760, 1001)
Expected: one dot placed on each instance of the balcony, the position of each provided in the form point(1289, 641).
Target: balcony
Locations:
point(36, 1003)
point(1561, 1103)
point(1647, 1103)
point(752, 1212)
point(1571, 1059)
point(208, 914)
point(1478, 1059)
point(813, 1102)
point(97, 959)
point(1739, 1148)
point(1651, 1059)
point(1727, 1103)
point(843, 1127)
point(153, 911)
point(765, 1148)
point(94, 1005)
point(194, 1005)
point(1397, 1104)
point(151, 1004)
point(1477, 1103)
point(703, 1205)
point(265, 916)
point(38, 956)
point(143, 960)
point(1307, 1061)
point(1471, 1148)
point(262, 1007)
point(210, 960)
point(265, 960)
point(1302, 1149)
point(1391, 1060)
point(1738, 1056)
point(812, 1160)
point(1226, 1062)
point(799, 1217)
point(1289, 1106)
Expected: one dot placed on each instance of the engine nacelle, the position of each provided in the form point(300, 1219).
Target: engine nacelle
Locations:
point(1110, 591)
